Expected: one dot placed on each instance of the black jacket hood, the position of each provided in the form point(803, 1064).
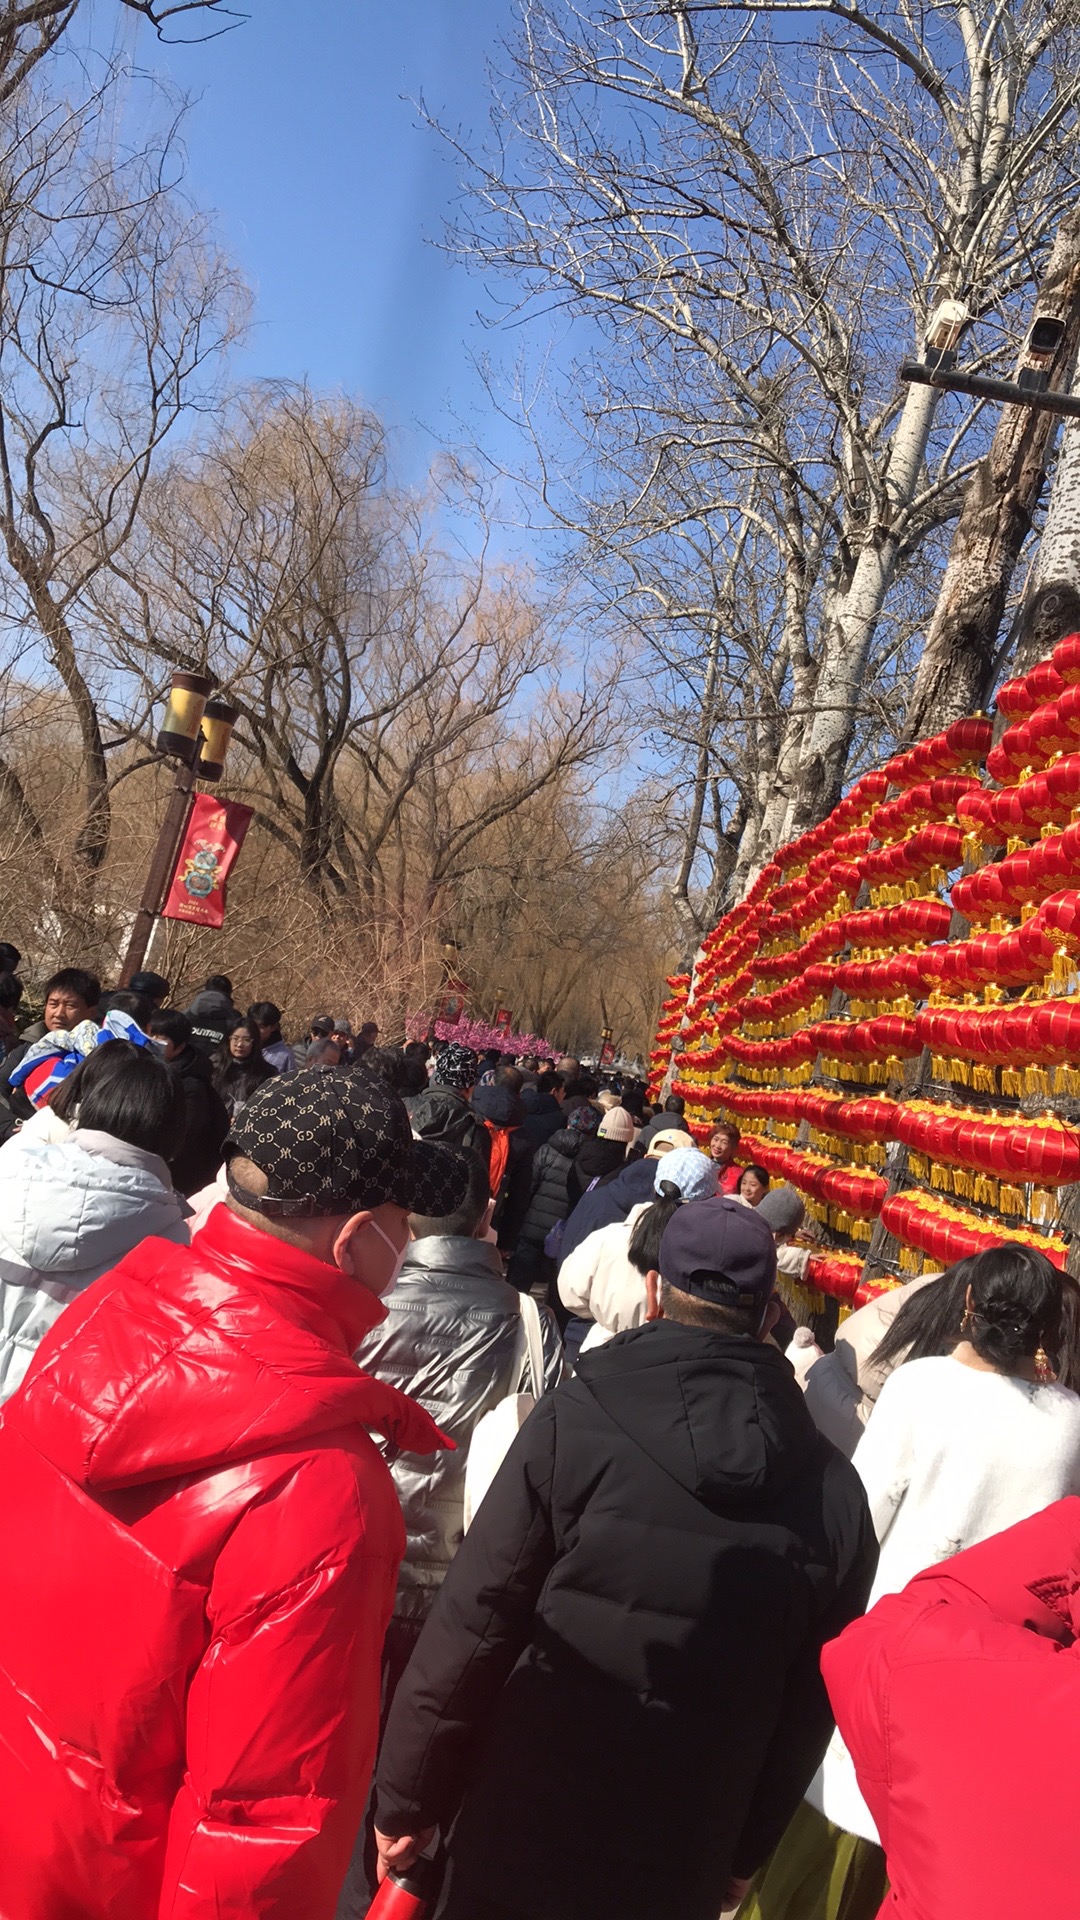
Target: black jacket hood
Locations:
point(565, 1142)
point(499, 1105)
point(723, 1416)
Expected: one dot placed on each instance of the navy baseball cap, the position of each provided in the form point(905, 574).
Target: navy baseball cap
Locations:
point(719, 1250)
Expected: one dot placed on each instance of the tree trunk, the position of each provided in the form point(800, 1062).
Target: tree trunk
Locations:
point(1053, 603)
point(958, 660)
point(847, 648)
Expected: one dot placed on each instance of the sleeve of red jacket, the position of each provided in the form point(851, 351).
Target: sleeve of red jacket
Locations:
point(282, 1714)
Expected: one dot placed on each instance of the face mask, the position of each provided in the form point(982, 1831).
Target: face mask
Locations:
point(399, 1256)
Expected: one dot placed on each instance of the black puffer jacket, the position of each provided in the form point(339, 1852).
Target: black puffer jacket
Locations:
point(443, 1114)
point(505, 1112)
point(206, 1122)
point(619, 1681)
point(550, 1201)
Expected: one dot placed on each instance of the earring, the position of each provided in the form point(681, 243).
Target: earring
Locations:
point(1044, 1372)
point(965, 1324)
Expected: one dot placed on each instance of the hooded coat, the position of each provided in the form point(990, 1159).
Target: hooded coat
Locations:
point(958, 1700)
point(206, 1121)
point(449, 1340)
point(201, 1543)
point(213, 1018)
point(610, 1201)
point(443, 1114)
point(549, 1200)
point(619, 1681)
point(69, 1210)
point(502, 1112)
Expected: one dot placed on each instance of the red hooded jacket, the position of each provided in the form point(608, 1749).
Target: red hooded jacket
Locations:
point(959, 1701)
point(200, 1547)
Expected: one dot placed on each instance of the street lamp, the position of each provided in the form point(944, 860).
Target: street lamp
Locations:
point(195, 735)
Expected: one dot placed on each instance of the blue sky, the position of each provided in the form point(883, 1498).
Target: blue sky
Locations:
point(330, 195)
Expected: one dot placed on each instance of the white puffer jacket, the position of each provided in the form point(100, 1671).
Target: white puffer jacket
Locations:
point(69, 1211)
point(599, 1282)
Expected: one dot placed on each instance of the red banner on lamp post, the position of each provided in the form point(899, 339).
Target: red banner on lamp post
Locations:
point(214, 837)
point(503, 1020)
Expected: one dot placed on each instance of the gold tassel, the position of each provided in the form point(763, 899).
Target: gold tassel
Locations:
point(1011, 1200)
point(1036, 1080)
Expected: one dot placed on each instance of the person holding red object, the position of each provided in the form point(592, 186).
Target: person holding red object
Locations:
point(957, 1700)
point(202, 1539)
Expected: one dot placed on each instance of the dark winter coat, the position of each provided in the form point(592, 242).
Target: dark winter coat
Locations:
point(444, 1114)
point(658, 1124)
point(619, 1681)
point(550, 1201)
point(611, 1201)
point(237, 1080)
point(543, 1115)
point(595, 1161)
point(198, 1157)
point(213, 1018)
point(503, 1109)
point(449, 1340)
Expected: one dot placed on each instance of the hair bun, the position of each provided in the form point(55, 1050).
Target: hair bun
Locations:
point(669, 1191)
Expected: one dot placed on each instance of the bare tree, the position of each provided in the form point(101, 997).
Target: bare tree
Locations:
point(31, 30)
point(760, 229)
point(394, 705)
point(957, 665)
point(114, 309)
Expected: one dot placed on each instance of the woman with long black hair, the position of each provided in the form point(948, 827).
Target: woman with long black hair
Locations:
point(960, 1445)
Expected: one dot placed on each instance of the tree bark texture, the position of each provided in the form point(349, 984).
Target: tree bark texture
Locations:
point(957, 664)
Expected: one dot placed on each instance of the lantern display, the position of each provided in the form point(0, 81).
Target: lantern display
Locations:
point(880, 1024)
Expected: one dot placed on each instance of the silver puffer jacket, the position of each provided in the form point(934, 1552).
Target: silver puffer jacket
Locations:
point(449, 1341)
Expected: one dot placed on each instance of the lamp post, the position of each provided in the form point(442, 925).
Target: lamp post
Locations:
point(195, 735)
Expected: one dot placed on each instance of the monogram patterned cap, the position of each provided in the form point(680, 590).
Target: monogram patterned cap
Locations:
point(335, 1143)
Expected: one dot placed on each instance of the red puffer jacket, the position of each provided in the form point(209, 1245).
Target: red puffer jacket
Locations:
point(959, 1700)
point(200, 1547)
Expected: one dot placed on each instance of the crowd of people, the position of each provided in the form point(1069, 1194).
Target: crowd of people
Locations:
point(410, 1472)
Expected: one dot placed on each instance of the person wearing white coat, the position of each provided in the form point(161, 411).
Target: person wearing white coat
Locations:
point(958, 1447)
point(599, 1280)
point(71, 1208)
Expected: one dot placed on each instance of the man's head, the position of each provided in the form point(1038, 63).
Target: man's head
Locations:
point(71, 996)
point(172, 1030)
point(153, 987)
point(456, 1067)
point(468, 1220)
point(127, 1000)
point(9, 957)
point(321, 1027)
point(717, 1270)
point(342, 1032)
point(219, 983)
point(568, 1067)
point(327, 1162)
point(321, 1055)
point(267, 1017)
point(511, 1077)
point(674, 1103)
point(369, 1033)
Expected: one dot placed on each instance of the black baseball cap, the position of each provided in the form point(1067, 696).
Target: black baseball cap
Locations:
point(721, 1251)
point(335, 1143)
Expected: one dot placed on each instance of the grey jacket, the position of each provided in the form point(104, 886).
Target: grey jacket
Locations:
point(449, 1341)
